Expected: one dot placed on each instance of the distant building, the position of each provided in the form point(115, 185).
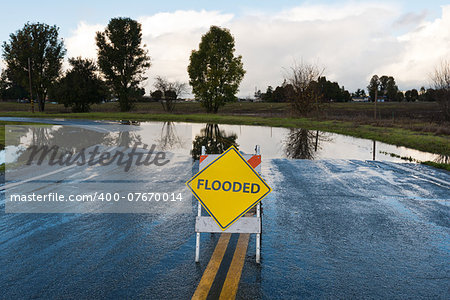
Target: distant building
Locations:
point(360, 99)
point(367, 99)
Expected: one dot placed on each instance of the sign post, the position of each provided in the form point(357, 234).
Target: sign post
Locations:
point(228, 186)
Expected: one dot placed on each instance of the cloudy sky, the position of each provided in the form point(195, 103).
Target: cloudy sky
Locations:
point(350, 40)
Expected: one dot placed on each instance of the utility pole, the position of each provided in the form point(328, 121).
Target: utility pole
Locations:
point(31, 91)
point(376, 100)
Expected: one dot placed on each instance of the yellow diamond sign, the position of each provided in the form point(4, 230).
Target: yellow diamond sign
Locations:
point(228, 187)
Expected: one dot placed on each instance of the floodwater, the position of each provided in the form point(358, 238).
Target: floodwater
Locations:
point(292, 143)
point(337, 224)
point(297, 143)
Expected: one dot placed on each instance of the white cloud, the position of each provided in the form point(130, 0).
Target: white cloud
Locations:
point(82, 41)
point(422, 50)
point(352, 41)
point(340, 39)
point(181, 22)
point(170, 38)
point(333, 12)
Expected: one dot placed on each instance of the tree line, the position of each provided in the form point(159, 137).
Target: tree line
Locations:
point(34, 56)
point(35, 53)
point(330, 91)
point(386, 89)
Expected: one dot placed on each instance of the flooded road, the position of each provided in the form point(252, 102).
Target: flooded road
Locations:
point(352, 229)
point(335, 226)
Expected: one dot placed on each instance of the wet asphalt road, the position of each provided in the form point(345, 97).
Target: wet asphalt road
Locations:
point(352, 229)
point(331, 229)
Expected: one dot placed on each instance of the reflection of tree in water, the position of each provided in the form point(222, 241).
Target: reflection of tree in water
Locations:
point(76, 138)
point(302, 143)
point(67, 139)
point(215, 140)
point(442, 159)
point(124, 138)
point(70, 139)
point(169, 137)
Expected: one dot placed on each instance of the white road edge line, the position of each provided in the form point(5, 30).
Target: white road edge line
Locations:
point(7, 186)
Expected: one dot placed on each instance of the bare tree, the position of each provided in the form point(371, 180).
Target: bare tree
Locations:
point(441, 81)
point(169, 137)
point(303, 143)
point(305, 94)
point(170, 90)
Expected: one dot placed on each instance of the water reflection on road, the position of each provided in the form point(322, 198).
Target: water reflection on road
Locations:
point(293, 143)
point(298, 143)
point(216, 141)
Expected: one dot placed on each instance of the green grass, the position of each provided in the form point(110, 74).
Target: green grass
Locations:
point(437, 165)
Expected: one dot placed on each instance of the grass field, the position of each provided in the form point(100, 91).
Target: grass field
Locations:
point(424, 111)
point(416, 116)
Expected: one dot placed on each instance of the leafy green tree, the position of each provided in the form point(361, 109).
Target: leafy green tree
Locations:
point(414, 95)
point(399, 97)
point(278, 94)
point(422, 93)
point(408, 96)
point(81, 86)
point(136, 94)
point(4, 85)
point(345, 95)
point(411, 95)
point(374, 87)
point(157, 95)
point(258, 95)
point(214, 72)
point(122, 59)
point(170, 94)
point(268, 95)
point(331, 91)
point(374, 91)
point(11, 90)
point(359, 93)
point(387, 88)
point(39, 46)
point(391, 89)
point(430, 95)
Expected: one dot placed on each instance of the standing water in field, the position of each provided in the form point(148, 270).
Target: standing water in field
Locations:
point(275, 142)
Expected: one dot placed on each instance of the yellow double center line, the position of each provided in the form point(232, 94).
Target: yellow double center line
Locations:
point(231, 283)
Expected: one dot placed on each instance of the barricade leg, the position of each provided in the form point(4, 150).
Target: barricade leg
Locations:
point(258, 236)
point(258, 215)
